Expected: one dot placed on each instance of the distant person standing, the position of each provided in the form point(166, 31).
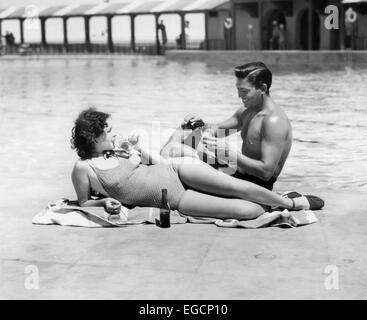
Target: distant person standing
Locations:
point(9, 42)
point(350, 35)
point(282, 43)
point(9, 38)
point(187, 32)
point(274, 40)
point(163, 36)
point(162, 27)
point(250, 37)
point(179, 39)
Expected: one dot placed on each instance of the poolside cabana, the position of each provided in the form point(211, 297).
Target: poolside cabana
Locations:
point(211, 9)
point(355, 31)
point(228, 24)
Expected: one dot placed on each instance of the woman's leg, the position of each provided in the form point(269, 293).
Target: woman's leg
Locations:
point(175, 150)
point(204, 178)
point(199, 204)
point(175, 146)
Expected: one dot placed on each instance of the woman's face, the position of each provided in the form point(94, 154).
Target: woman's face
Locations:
point(106, 141)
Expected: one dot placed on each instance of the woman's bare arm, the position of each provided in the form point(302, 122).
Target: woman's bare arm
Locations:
point(81, 183)
point(149, 158)
point(143, 153)
point(80, 179)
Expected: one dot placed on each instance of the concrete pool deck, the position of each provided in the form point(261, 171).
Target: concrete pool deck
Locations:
point(187, 261)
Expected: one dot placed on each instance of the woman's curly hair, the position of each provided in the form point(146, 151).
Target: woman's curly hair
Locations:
point(89, 125)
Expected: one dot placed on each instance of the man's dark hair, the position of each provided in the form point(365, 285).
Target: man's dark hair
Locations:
point(257, 73)
point(88, 126)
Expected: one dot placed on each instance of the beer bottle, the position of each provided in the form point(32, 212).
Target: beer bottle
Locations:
point(164, 212)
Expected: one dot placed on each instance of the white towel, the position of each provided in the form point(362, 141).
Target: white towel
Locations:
point(67, 213)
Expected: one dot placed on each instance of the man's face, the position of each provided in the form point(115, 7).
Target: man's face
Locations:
point(250, 96)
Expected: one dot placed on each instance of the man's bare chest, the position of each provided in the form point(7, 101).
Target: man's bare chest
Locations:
point(251, 131)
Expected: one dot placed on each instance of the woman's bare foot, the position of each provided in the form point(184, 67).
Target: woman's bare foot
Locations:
point(301, 203)
point(304, 202)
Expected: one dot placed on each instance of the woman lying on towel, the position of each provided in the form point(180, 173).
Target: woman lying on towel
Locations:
point(135, 179)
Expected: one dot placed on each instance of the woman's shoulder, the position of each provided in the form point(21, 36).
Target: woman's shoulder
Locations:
point(80, 171)
point(81, 165)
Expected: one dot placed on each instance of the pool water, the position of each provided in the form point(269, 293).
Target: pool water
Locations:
point(40, 98)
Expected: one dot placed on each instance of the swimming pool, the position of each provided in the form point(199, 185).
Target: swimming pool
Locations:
point(40, 98)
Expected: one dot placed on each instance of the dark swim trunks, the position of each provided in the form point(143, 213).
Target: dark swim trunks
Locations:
point(265, 184)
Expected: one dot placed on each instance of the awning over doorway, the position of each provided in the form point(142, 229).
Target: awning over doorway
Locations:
point(354, 1)
point(118, 8)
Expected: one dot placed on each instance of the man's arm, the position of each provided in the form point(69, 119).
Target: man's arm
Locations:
point(274, 137)
point(223, 128)
point(180, 135)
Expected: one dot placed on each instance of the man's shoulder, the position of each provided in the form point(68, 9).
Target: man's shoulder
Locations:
point(276, 122)
point(276, 116)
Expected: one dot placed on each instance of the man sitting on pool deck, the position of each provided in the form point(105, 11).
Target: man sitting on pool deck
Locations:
point(265, 130)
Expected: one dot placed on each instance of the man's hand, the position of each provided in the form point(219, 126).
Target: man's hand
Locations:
point(209, 131)
point(221, 149)
point(192, 122)
point(214, 144)
point(112, 206)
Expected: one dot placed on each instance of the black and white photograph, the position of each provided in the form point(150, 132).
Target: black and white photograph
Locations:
point(183, 150)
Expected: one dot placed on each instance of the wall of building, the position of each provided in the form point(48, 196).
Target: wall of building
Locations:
point(362, 32)
point(325, 34)
point(362, 25)
point(298, 8)
point(268, 7)
point(243, 19)
point(291, 33)
point(322, 60)
point(292, 25)
point(216, 26)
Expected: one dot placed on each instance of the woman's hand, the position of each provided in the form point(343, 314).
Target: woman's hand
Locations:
point(112, 206)
point(122, 147)
point(134, 139)
point(125, 146)
point(123, 153)
point(135, 157)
